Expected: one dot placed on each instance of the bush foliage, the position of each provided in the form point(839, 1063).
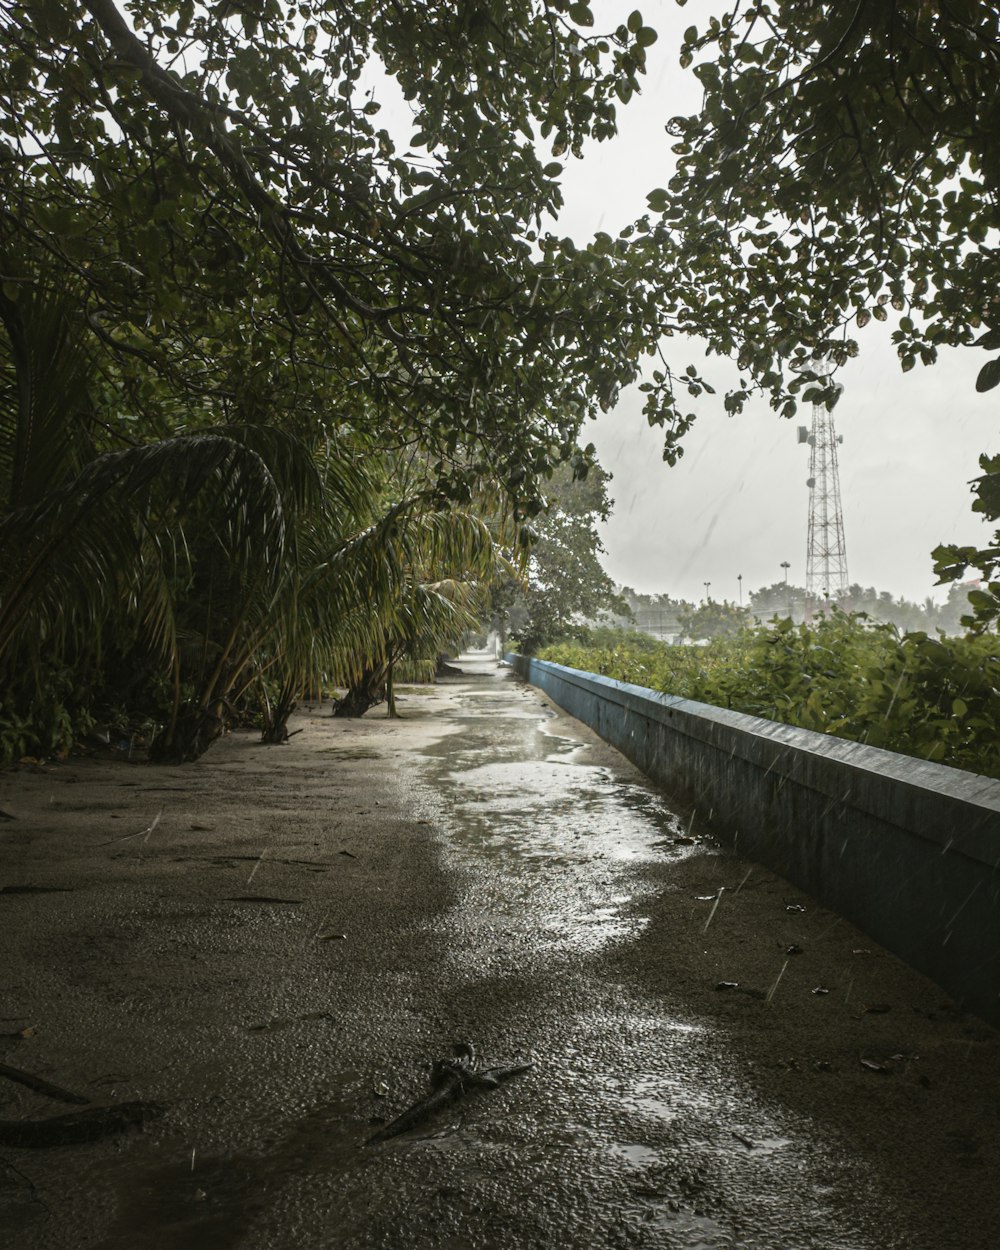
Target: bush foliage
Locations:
point(932, 697)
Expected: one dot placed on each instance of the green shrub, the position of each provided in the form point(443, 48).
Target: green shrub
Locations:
point(936, 698)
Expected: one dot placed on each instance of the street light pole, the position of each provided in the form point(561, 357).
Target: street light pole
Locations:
point(739, 578)
point(706, 585)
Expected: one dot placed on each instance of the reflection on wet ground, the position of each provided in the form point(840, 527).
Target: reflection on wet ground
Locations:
point(507, 891)
point(551, 847)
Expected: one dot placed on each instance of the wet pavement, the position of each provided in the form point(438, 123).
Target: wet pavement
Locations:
point(656, 1142)
point(305, 929)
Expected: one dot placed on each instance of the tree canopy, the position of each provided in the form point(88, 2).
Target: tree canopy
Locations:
point(843, 167)
point(277, 381)
point(239, 236)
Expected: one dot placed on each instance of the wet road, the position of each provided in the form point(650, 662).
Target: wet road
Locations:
point(280, 962)
point(639, 1128)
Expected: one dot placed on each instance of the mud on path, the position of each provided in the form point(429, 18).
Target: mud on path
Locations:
point(275, 942)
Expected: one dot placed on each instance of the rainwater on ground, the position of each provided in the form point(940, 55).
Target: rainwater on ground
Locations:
point(308, 928)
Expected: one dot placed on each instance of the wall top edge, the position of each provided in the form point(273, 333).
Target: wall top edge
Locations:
point(877, 765)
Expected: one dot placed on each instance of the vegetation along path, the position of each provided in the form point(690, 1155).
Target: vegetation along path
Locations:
point(271, 947)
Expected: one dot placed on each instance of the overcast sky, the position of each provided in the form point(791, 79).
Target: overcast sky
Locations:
point(738, 502)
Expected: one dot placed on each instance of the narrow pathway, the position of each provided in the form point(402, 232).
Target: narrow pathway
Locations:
point(639, 1130)
point(719, 1063)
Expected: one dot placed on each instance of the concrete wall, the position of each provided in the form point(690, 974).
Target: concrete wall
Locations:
point(908, 850)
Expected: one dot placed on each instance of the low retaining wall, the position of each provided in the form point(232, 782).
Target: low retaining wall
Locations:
point(907, 850)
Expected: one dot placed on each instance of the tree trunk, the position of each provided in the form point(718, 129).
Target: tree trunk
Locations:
point(366, 692)
point(194, 731)
point(275, 731)
point(390, 694)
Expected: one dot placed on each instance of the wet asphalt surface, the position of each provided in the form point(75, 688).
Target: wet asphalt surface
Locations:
point(303, 931)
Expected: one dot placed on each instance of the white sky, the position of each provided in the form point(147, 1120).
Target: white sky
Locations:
point(737, 502)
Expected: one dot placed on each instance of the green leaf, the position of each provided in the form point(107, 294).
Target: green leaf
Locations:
point(989, 376)
point(646, 37)
point(658, 199)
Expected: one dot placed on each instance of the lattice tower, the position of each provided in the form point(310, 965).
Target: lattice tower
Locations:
point(826, 552)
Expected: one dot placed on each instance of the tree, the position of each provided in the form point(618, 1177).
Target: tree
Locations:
point(712, 619)
point(209, 186)
point(244, 261)
point(657, 615)
point(956, 608)
point(779, 599)
point(880, 605)
point(428, 582)
point(843, 167)
point(567, 584)
point(89, 550)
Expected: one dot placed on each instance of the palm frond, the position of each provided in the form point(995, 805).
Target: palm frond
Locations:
point(68, 556)
point(48, 372)
point(414, 578)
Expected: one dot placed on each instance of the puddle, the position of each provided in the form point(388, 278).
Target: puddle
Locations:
point(524, 800)
point(553, 806)
point(524, 805)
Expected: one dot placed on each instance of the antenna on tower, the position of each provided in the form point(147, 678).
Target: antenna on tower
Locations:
point(826, 549)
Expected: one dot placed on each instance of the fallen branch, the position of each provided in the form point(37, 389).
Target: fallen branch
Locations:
point(41, 1086)
point(125, 837)
point(451, 1079)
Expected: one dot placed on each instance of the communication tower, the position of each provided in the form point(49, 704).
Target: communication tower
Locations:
point(826, 550)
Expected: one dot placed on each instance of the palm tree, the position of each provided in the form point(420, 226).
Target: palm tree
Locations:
point(397, 587)
point(246, 561)
point(96, 543)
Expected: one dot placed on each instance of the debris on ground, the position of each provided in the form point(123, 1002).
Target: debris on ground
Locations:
point(73, 1127)
point(450, 1080)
